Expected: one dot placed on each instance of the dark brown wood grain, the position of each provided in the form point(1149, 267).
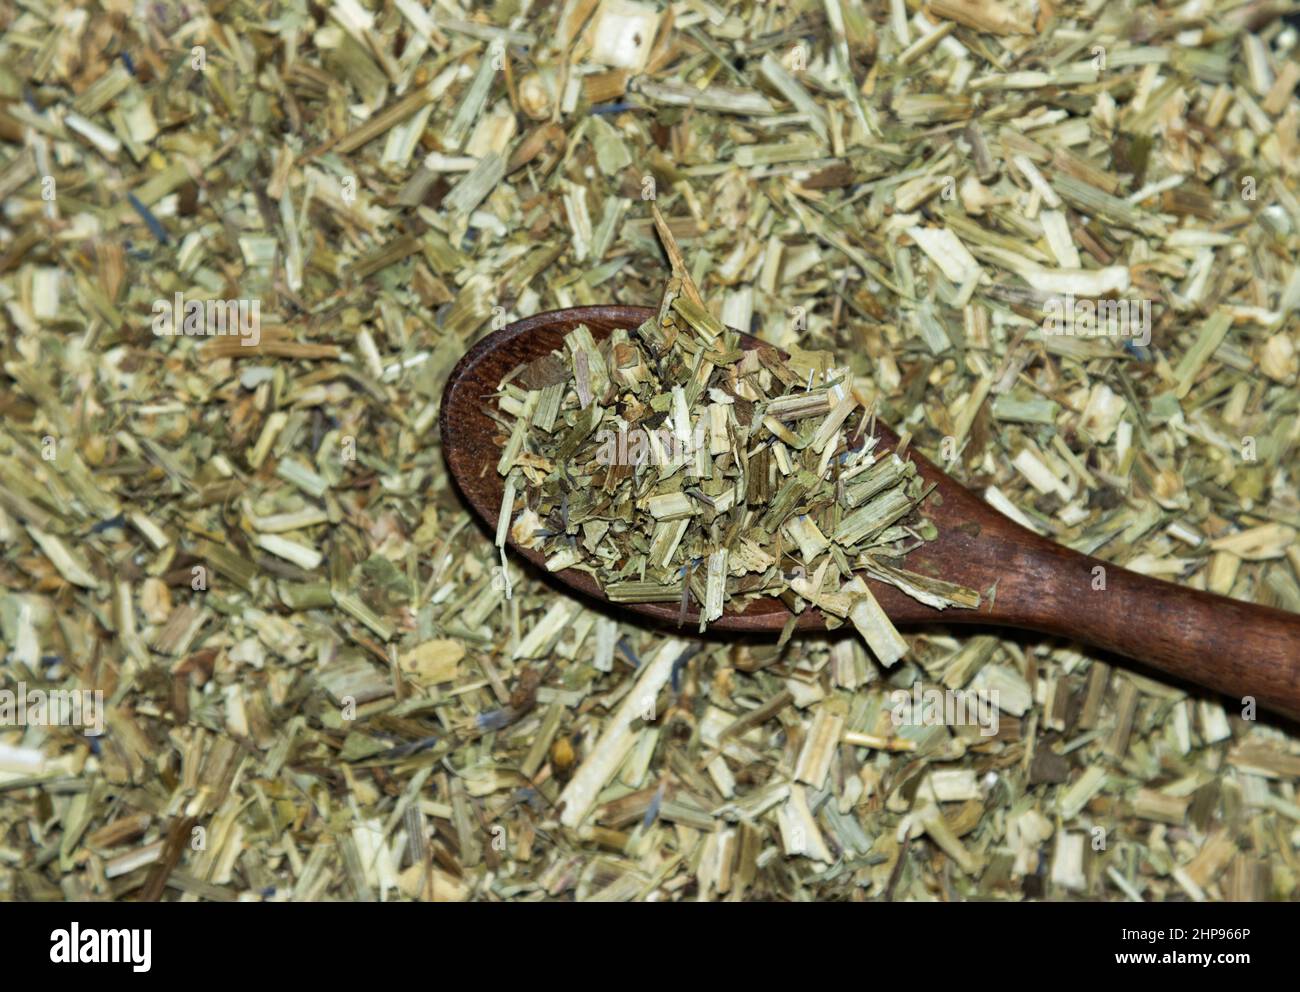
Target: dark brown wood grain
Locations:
point(1026, 581)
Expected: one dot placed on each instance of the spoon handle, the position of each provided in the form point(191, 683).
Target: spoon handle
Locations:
point(1240, 649)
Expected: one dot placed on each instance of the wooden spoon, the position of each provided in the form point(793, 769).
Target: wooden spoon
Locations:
point(1025, 580)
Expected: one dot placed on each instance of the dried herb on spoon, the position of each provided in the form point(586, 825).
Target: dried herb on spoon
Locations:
point(675, 466)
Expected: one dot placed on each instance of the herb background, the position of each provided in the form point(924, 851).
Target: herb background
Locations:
point(390, 181)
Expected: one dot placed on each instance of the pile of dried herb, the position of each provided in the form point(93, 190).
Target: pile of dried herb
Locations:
point(676, 465)
point(255, 551)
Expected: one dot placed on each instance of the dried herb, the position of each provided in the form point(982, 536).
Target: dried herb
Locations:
point(675, 466)
point(303, 640)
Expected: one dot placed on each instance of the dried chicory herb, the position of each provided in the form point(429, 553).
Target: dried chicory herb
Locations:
point(677, 466)
point(388, 178)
